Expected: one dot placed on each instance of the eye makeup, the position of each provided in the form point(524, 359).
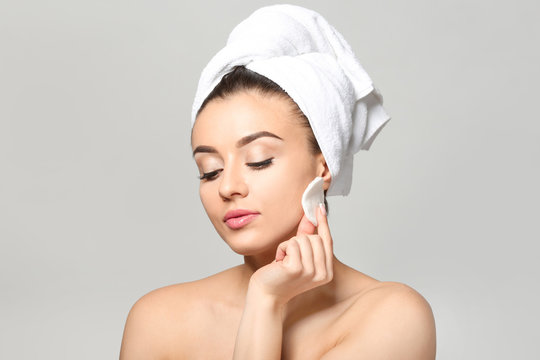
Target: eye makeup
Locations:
point(254, 166)
point(261, 165)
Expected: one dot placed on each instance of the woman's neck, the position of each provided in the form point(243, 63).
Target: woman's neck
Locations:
point(255, 262)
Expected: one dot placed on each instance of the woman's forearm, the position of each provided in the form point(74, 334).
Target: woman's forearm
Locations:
point(260, 332)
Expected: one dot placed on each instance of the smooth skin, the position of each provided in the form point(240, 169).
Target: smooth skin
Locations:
point(291, 298)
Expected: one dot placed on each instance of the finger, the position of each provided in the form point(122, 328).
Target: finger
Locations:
point(322, 229)
point(306, 254)
point(281, 251)
point(291, 255)
point(319, 258)
point(305, 226)
point(324, 232)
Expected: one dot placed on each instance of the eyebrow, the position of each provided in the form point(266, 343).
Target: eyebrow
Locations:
point(242, 142)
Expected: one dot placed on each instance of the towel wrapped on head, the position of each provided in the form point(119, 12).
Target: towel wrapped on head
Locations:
point(301, 52)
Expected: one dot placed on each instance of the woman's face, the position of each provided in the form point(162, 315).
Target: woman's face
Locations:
point(253, 155)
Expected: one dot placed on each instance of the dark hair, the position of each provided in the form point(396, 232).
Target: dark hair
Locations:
point(242, 79)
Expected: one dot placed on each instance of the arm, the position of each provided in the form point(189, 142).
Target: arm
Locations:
point(261, 327)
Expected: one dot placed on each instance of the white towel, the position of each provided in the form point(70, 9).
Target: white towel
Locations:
point(300, 51)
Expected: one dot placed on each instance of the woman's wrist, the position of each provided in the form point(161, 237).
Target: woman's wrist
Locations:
point(264, 300)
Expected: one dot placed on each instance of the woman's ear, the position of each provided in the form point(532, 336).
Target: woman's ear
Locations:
point(323, 171)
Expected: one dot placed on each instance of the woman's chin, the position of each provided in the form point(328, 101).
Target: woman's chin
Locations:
point(251, 247)
point(249, 243)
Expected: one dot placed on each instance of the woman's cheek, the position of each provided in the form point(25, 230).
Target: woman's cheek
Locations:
point(282, 203)
point(209, 201)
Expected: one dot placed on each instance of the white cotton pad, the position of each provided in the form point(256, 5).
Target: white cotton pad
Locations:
point(312, 197)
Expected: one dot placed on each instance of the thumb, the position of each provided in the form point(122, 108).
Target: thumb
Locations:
point(305, 227)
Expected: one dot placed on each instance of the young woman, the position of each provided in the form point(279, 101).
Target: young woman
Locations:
point(256, 151)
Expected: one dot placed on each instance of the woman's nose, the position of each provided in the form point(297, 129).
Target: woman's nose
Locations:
point(232, 183)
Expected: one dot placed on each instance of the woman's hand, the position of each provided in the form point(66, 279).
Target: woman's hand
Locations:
point(302, 262)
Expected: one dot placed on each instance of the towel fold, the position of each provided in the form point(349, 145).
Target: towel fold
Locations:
point(300, 51)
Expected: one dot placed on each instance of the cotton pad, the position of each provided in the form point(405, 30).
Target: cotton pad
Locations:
point(312, 197)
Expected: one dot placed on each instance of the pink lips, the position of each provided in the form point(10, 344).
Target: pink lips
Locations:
point(236, 219)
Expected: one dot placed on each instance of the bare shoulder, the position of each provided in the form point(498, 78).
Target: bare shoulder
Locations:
point(395, 296)
point(153, 319)
point(164, 316)
point(400, 308)
point(388, 320)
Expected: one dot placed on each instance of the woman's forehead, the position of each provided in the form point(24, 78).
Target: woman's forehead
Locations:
point(245, 113)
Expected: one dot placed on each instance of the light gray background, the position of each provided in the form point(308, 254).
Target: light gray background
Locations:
point(99, 196)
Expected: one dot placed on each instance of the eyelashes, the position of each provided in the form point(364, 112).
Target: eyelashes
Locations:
point(255, 166)
point(261, 165)
point(209, 175)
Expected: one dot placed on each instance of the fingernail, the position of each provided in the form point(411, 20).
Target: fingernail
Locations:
point(323, 208)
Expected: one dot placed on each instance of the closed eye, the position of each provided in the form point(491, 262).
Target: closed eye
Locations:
point(255, 166)
point(261, 165)
point(209, 175)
